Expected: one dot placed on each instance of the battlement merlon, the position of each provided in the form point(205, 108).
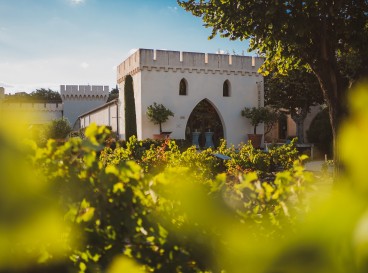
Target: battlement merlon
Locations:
point(84, 90)
point(187, 60)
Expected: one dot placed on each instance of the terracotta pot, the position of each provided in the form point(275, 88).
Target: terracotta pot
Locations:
point(256, 140)
point(159, 136)
point(163, 135)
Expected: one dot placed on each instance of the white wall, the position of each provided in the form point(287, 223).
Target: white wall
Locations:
point(37, 113)
point(104, 116)
point(163, 87)
point(81, 99)
point(156, 77)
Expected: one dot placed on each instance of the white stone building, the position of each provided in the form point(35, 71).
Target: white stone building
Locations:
point(107, 114)
point(37, 113)
point(80, 99)
point(206, 92)
point(76, 100)
point(183, 80)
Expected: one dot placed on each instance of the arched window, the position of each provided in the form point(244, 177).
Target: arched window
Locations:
point(183, 87)
point(226, 89)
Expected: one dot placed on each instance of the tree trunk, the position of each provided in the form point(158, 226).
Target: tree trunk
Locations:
point(298, 116)
point(299, 121)
point(160, 127)
point(333, 84)
point(335, 90)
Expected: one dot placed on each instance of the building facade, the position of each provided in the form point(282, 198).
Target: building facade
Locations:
point(107, 114)
point(37, 113)
point(206, 92)
point(187, 83)
point(76, 100)
point(285, 128)
point(81, 99)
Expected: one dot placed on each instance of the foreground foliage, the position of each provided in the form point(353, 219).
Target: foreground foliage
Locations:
point(130, 209)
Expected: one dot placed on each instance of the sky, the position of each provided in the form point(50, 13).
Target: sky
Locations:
point(47, 43)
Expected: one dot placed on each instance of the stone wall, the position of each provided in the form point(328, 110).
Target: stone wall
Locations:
point(156, 78)
point(36, 113)
point(149, 59)
point(81, 99)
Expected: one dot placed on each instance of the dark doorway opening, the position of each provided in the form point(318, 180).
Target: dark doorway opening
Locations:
point(282, 127)
point(204, 118)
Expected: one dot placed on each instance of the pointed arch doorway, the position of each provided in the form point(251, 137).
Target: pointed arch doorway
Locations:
point(204, 118)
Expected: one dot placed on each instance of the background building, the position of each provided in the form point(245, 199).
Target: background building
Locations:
point(81, 99)
point(76, 100)
point(106, 114)
point(206, 92)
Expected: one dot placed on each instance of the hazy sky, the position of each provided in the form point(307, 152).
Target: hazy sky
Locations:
point(45, 43)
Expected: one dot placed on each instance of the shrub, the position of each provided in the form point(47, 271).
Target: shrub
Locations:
point(320, 132)
point(184, 217)
point(58, 129)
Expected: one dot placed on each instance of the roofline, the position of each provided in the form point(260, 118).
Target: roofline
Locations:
point(114, 101)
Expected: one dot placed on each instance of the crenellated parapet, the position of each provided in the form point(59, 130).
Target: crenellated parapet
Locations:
point(84, 92)
point(33, 106)
point(176, 61)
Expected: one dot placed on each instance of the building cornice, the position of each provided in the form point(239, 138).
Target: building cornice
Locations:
point(188, 62)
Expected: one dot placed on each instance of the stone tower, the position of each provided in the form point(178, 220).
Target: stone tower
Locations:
point(81, 99)
point(183, 81)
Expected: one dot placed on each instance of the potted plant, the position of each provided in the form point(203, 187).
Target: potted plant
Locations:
point(257, 116)
point(158, 114)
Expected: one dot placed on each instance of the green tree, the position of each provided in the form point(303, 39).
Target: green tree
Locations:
point(295, 93)
point(158, 114)
point(320, 133)
point(259, 115)
point(46, 95)
point(114, 94)
point(17, 97)
point(58, 129)
point(130, 116)
point(329, 37)
point(39, 95)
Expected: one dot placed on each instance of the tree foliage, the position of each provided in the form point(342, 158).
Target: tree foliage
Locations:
point(294, 93)
point(39, 95)
point(46, 95)
point(320, 132)
point(259, 115)
point(328, 37)
point(158, 114)
point(113, 94)
point(143, 209)
point(85, 207)
point(58, 129)
point(129, 108)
